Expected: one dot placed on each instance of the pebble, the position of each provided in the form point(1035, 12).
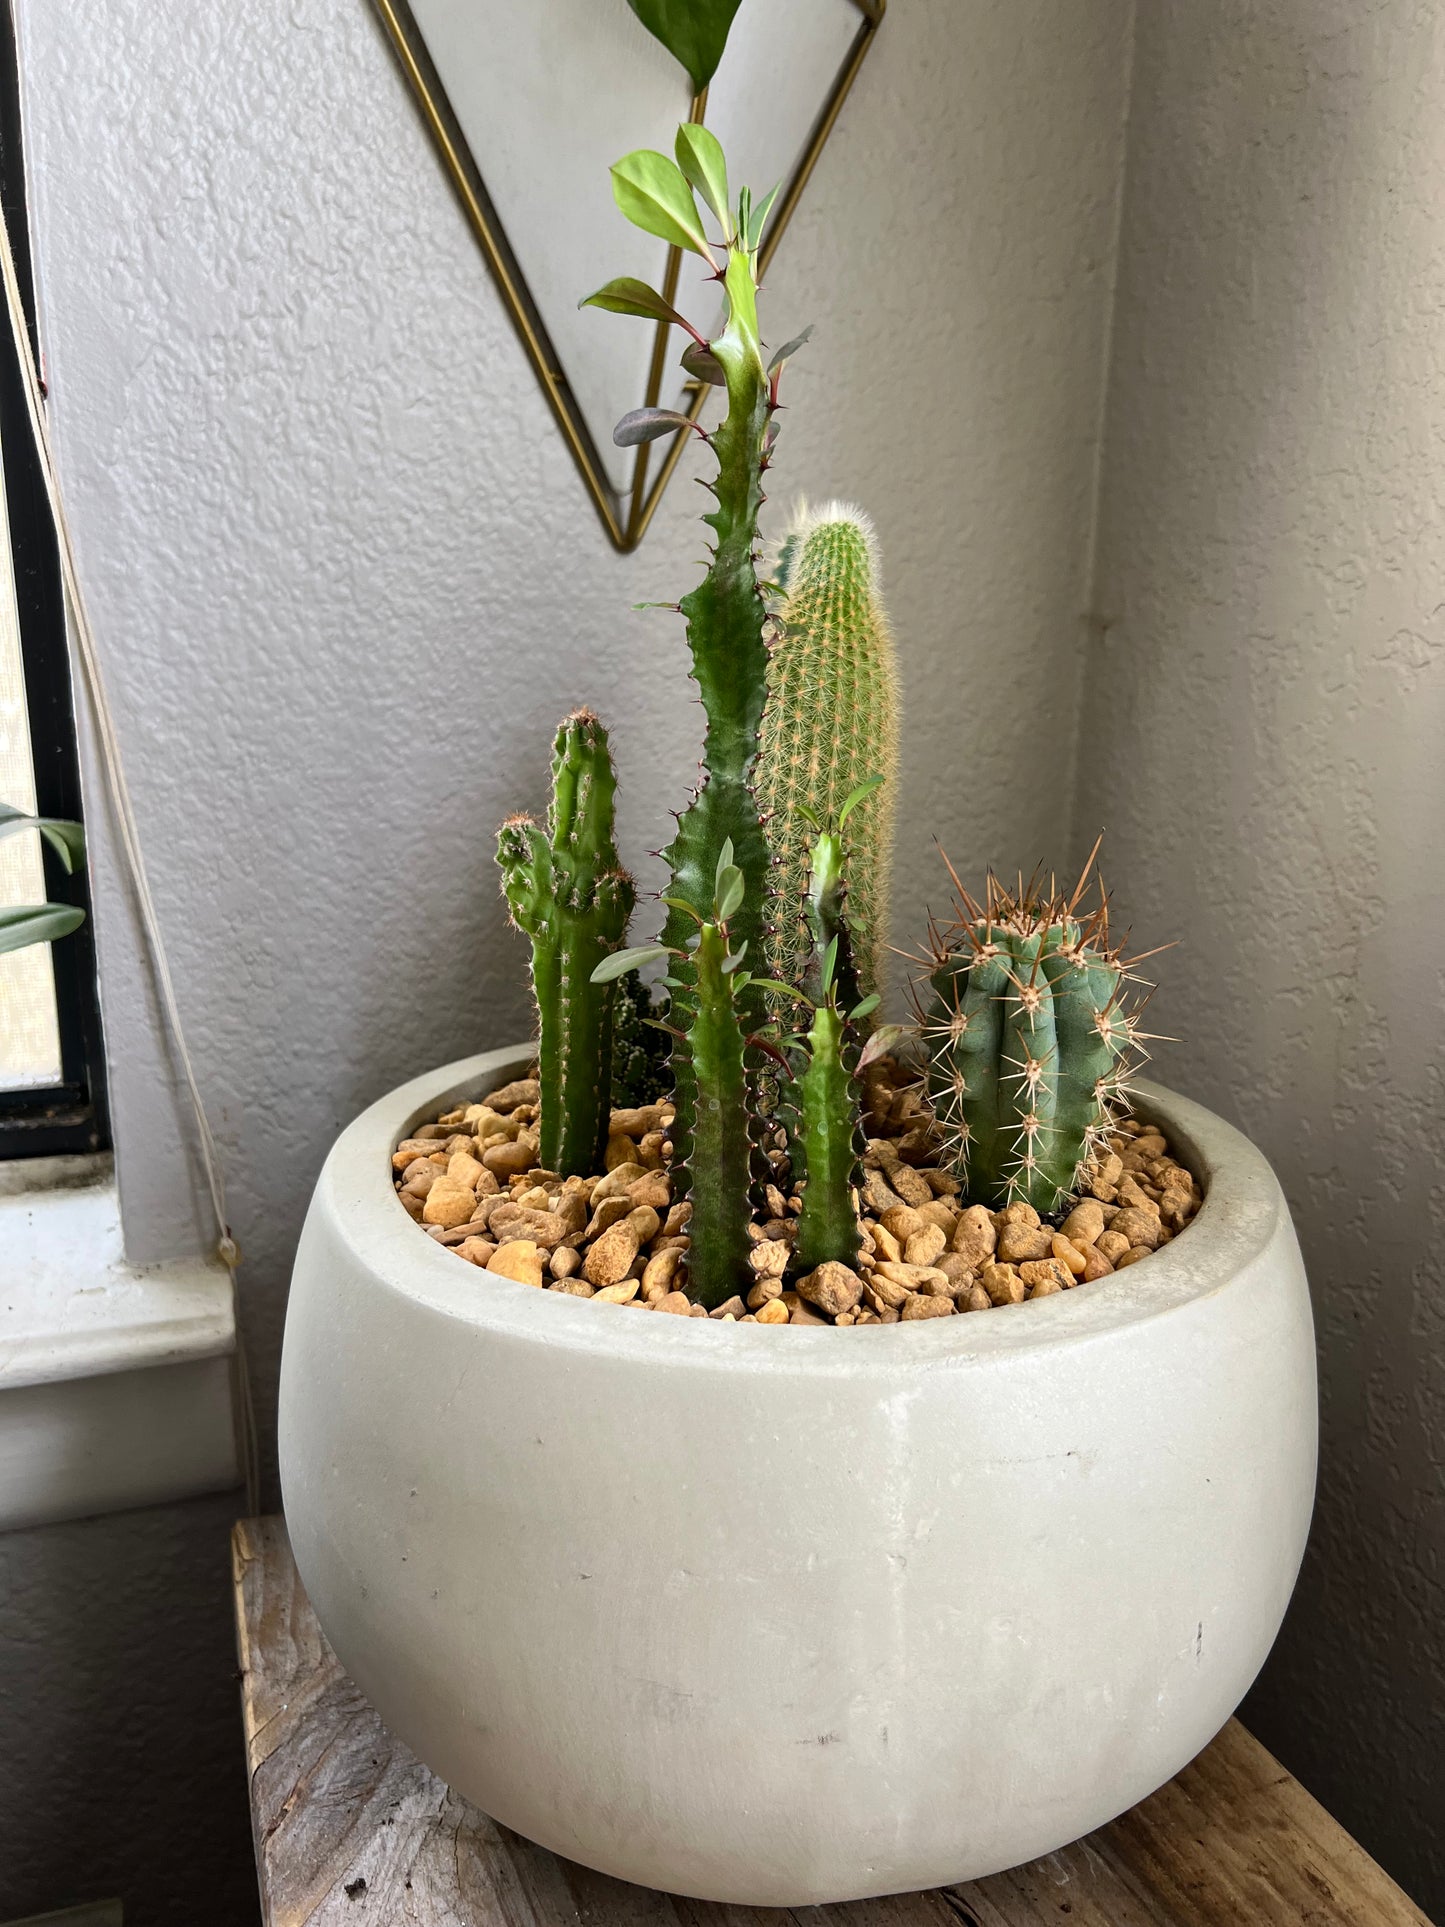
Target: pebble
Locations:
point(448, 1203)
point(1019, 1243)
point(775, 1312)
point(832, 1288)
point(1003, 1284)
point(519, 1259)
point(610, 1258)
point(975, 1237)
point(769, 1258)
point(1046, 1275)
point(925, 1245)
point(930, 1307)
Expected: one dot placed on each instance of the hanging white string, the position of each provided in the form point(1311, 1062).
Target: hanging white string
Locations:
point(125, 824)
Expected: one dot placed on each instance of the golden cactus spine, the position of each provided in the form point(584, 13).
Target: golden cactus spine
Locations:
point(831, 721)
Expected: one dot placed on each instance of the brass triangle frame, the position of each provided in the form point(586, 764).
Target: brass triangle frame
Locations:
point(625, 517)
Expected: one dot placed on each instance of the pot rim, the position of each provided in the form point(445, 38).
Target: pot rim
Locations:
point(1231, 1232)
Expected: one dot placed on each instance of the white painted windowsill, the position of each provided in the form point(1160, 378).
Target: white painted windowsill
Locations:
point(115, 1379)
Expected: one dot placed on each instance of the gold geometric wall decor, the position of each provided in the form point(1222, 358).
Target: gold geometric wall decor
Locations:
point(530, 101)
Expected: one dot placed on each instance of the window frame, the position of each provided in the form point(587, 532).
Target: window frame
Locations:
point(70, 1116)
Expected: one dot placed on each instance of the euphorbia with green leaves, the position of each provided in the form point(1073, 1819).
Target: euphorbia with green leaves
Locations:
point(726, 615)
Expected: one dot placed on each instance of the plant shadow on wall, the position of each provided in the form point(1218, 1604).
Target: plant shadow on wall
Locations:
point(742, 1142)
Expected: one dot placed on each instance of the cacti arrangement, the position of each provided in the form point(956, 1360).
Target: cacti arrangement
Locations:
point(831, 720)
point(780, 865)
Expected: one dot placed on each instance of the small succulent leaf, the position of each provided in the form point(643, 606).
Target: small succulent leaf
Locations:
point(830, 964)
point(809, 815)
point(703, 365)
point(677, 903)
point(694, 32)
point(730, 964)
point(651, 191)
point(855, 797)
point(775, 989)
point(882, 1042)
point(865, 1009)
point(700, 156)
point(27, 923)
point(730, 892)
point(724, 862)
point(627, 295)
point(790, 348)
point(633, 958)
point(646, 424)
point(769, 1049)
point(758, 219)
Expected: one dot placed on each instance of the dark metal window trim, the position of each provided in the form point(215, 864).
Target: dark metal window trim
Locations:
point(71, 1115)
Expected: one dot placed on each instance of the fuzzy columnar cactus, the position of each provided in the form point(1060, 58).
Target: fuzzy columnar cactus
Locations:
point(830, 721)
point(568, 892)
point(1030, 1042)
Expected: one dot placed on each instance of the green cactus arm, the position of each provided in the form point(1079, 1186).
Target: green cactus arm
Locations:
point(828, 1099)
point(567, 891)
point(719, 1176)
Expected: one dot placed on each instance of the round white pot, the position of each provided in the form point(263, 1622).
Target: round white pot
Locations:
point(790, 1616)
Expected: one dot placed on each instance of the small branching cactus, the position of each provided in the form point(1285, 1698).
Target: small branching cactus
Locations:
point(831, 717)
point(725, 614)
point(1030, 1040)
point(568, 892)
point(714, 1045)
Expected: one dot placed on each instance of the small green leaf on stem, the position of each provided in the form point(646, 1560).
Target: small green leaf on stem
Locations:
point(700, 156)
point(629, 296)
point(633, 958)
point(757, 220)
point(703, 365)
point(730, 892)
point(882, 1043)
point(652, 193)
point(790, 348)
point(865, 789)
point(865, 1009)
point(647, 424)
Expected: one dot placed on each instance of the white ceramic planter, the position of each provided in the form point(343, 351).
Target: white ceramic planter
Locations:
point(785, 1616)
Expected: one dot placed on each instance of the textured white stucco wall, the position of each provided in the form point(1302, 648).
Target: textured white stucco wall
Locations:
point(1264, 741)
point(346, 577)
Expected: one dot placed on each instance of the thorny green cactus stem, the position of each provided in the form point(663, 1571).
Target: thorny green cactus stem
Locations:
point(717, 1259)
point(826, 1132)
point(1029, 1040)
point(831, 717)
point(725, 614)
point(714, 1045)
point(569, 893)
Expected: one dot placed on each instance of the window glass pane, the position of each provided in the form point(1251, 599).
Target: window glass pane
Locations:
point(29, 1032)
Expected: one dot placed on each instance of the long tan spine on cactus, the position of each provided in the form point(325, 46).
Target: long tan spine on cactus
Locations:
point(831, 721)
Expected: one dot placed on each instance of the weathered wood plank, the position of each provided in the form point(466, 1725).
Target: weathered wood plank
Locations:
point(349, 1827)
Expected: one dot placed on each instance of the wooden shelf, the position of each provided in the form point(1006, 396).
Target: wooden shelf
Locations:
point(351, 1828)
